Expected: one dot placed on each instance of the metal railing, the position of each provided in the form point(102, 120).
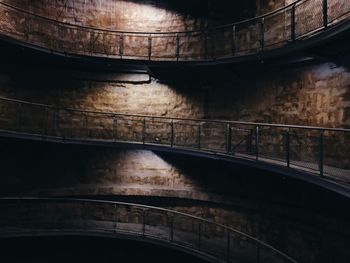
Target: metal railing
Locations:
point(148, 222)
point(300, 19)
point(321, 151)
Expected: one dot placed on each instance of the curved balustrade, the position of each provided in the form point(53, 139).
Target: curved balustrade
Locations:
point(315, 150)
point(301, 19)
point(198, 235)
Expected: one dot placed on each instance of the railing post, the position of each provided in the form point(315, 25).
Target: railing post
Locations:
point(288, 148)
point(92, 41)
point(228, 138)
point(257, 142)
point(257, 253)
point(143, 222)
point(292, 23)
point(233, 41)
point(115, 217)
point(199, 136)
point(249, 142)
point(63, 132)
point(262, 34)
point(85, 216)
point(213, 48)
point(325, 13)
point(172, 133)
point(144, 130)
point(171, 229)
point(56, 121)
point(199, 235)
point(114, 137)
point(321, 164)
point(47, 121)
point(177, 51)
point(228, 248)
point(121, 45)
point(205, 45)
point(20, 214)
point(19, 116)
point(149, 47)
point(86, 123)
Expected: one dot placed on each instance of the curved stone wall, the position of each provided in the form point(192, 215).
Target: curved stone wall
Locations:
point(311, 95)
point(303, 98)
point(303, 19)
point(260, 204)
point(111, 14)
point(142, 16)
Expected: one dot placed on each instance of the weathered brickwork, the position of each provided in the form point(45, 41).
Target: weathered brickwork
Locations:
point(314, 95)
point(254, 208)
point(117, 15)
point(258, 35)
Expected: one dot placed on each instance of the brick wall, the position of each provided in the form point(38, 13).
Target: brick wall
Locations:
point(313, 95)
point(260, 204)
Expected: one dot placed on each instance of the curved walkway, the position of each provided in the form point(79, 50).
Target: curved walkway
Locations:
point(32, 216)
point(283, 27)
point(301, 151)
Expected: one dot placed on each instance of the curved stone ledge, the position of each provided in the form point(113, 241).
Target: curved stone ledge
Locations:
point(313, 150)
point(176, 229)
point(302, 19)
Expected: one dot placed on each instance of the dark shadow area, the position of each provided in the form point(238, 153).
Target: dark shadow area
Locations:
point(225, 11)
point(40, 166)
point(274, 206)
point(73, 249)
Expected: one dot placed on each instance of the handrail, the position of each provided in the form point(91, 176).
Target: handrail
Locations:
point(291, 146)
point(110, 113)
point(155, 32)
point(260, 244)
point(259, 34)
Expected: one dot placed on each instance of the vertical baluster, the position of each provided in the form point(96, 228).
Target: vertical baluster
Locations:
point(64, 130)
point(172, 133)
point(199, 136)
point(233, 41)
point(177, 51)
point(288, 148)
point(144, 130)
point(325, 13)
point(56, 121)
point(228, 246)
point(115, 217)
point(19, 116)
point(85, 212)
point(199, 236)
point(86, 124)
point(205, 45)
point(47, 121)
point(121, 45)
point(114, 124)
point(228, 138)
point(292, 23)
point(143, 222)
point(171, 228)
point(249, 142)
point(321, 154)
point(92, 37)
point(262, 34)
point(149, 47)
point(20, 214)
point(257, 142)
point(213, 47)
